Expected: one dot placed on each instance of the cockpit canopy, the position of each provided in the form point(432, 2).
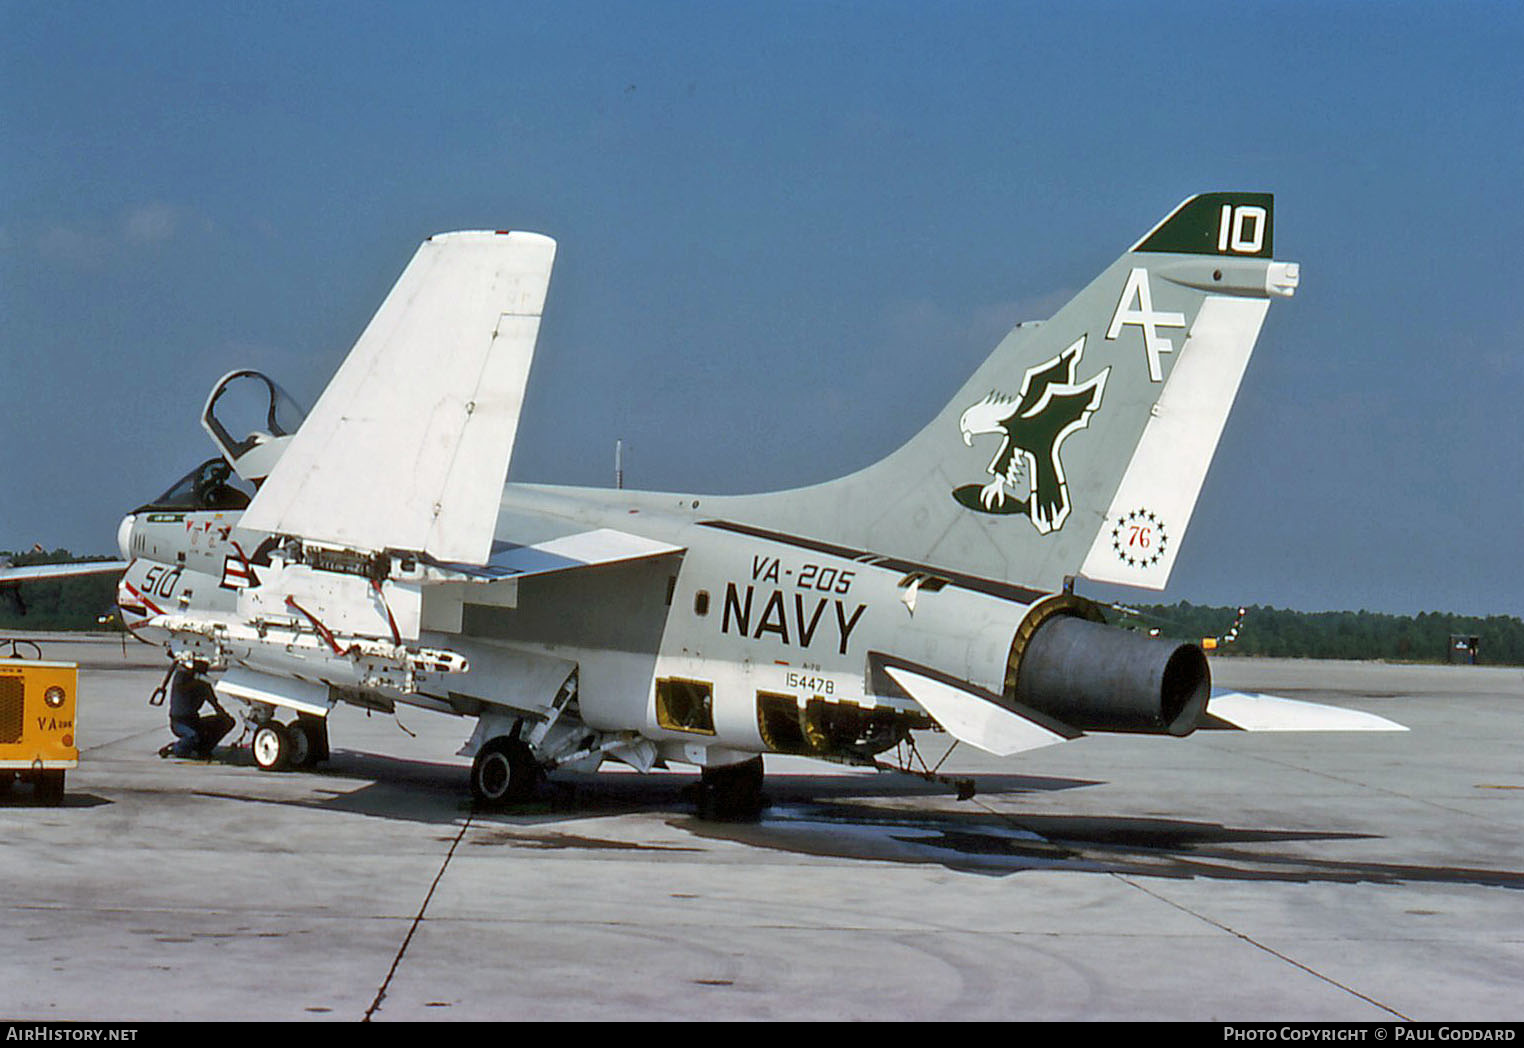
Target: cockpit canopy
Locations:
point(210, 485)
point(251, 403)
point(241, 402)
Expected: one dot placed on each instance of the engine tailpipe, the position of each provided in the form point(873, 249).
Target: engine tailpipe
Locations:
point(1100, 678)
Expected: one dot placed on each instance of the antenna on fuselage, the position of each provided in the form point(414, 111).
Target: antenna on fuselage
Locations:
point(619, 463)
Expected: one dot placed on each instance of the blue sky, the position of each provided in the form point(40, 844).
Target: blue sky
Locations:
point(788, 232)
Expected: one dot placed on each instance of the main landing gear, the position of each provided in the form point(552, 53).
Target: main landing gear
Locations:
point(731, 792)
point(504, 772)
point(299, 744)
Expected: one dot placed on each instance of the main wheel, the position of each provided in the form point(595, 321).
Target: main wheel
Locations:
point(503, 772)
point(271, 747)
point(732, 793)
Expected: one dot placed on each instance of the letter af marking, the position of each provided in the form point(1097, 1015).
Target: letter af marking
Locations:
point(1146, 318)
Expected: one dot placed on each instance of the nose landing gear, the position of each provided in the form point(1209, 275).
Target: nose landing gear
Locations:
point(299, 744)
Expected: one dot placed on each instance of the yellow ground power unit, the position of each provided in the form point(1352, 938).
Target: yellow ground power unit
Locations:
point(37, 736)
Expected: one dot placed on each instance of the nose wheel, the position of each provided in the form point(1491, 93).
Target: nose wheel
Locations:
point(272, 747)
point(300, 744)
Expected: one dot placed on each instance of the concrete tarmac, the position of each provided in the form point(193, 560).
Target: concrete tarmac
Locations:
point(1228, 876)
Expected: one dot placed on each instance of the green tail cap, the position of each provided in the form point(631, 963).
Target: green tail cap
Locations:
point(1234, 224)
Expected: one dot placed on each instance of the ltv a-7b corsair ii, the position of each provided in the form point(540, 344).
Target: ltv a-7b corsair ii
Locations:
point(382, 560)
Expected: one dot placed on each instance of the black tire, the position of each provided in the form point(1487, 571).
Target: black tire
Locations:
point(271, 747)
point(732, 793)
point(317, 735)
point(504, 772)
point(301, 755)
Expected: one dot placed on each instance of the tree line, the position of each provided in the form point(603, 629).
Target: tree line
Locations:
point(1284, 633)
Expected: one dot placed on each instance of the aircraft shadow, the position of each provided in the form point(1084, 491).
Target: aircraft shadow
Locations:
point(391, 788)
point(424, 791)
point(993, 844)
point(620, 791)
point(883, 818)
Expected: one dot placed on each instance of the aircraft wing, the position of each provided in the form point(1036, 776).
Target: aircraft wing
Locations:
point(1247, 711)
point(576, 549)
point(35, 572)
point(547, 547)
point(409, 445)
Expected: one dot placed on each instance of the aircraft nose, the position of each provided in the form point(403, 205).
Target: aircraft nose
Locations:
point(124, 535)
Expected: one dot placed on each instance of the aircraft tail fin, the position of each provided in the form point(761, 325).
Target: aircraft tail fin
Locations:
point(1081, 443)
point(408, 447)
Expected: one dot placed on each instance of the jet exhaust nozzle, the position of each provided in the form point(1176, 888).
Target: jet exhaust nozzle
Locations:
point(1100, 678)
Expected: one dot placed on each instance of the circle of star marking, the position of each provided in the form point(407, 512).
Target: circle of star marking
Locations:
point(1140, 516)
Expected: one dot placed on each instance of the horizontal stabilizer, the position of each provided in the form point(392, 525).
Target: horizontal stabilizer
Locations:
point(408, 447)
point(972, 716)
point(1244, 711)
